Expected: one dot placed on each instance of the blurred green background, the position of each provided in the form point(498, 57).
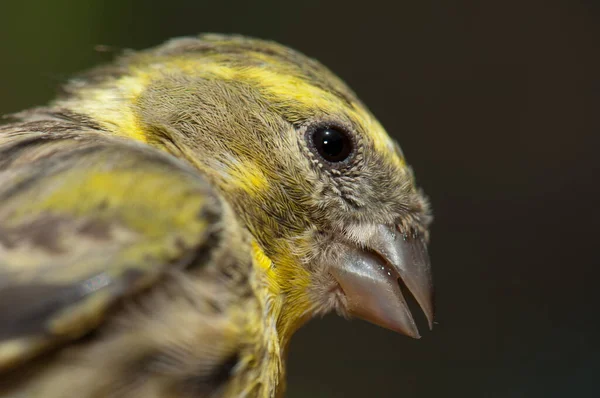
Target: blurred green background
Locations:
point(496, 105)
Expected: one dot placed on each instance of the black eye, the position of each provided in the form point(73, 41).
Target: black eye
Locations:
point(332, 144)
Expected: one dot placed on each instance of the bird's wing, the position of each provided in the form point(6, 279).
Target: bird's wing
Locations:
point(85, 220)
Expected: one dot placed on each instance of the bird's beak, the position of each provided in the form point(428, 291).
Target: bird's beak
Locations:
point(371, 278)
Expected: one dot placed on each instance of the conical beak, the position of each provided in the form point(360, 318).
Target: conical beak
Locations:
point(371, 280)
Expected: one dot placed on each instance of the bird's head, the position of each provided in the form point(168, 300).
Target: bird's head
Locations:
point(337, 219)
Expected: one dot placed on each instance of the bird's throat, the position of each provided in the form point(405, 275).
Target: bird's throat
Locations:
point(281, 288)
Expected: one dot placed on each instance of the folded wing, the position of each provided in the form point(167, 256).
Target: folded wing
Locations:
point(86, 220)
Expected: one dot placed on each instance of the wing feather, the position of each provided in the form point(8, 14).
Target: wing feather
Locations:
point(85, 220)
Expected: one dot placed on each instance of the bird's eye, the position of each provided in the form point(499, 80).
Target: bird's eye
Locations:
point(331, 143)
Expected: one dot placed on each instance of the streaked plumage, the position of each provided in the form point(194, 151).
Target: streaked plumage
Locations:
point(167, 224)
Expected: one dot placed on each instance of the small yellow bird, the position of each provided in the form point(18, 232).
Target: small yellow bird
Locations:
point(173, 218)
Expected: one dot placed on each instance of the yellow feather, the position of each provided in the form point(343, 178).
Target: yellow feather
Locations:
point(116, 110)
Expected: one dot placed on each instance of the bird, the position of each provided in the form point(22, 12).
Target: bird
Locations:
point(171, 218)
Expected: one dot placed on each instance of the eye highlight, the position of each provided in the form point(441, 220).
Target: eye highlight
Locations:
point(331, 143)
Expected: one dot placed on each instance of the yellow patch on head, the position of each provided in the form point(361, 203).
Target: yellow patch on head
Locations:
point(114, 108)
point(380, 138)
point(247, 176)
point(285, 87)
point(113, 104)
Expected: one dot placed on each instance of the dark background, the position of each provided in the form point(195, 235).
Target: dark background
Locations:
point(495, 103)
